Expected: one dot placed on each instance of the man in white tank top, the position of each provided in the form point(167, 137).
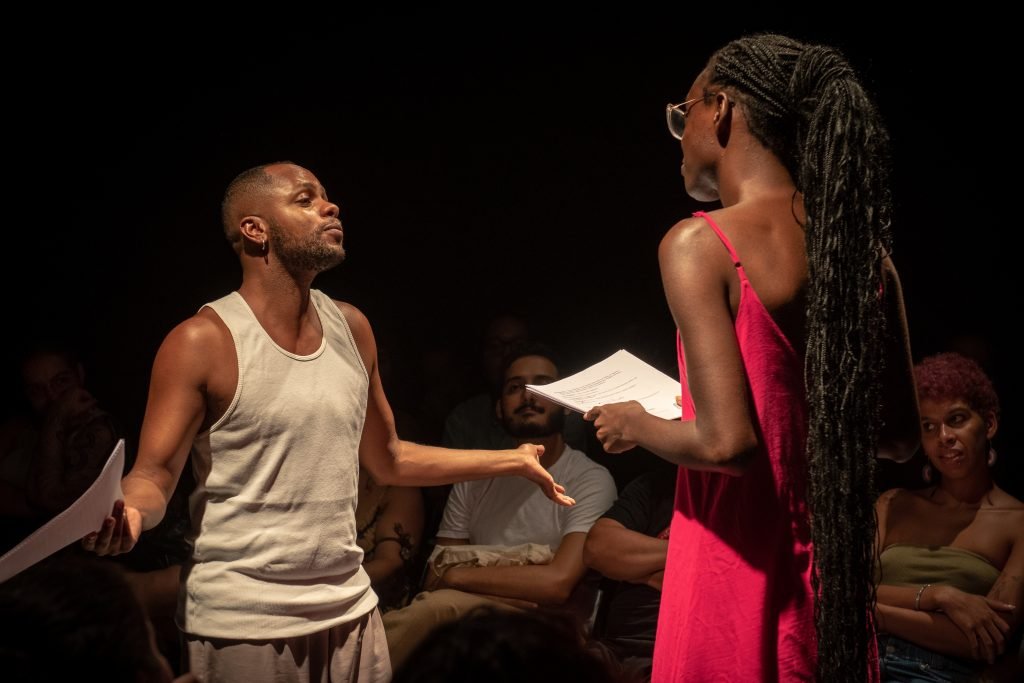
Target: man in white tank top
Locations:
point(275, 392)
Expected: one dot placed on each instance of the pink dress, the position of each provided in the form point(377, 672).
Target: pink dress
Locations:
point(737, 603)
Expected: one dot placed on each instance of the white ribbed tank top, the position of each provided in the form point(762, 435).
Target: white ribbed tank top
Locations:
point(273, 512)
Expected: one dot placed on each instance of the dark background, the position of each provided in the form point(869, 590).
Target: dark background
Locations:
point(491, 159)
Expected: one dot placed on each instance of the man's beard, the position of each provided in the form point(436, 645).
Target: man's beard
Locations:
point(554, 424)
point(302, 255)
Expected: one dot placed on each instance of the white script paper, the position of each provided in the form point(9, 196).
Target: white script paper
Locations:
point(619, 377)
point(81, 518)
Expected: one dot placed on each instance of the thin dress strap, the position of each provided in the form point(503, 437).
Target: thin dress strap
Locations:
point(726, 242)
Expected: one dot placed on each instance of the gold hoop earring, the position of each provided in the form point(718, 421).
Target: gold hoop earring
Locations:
point(992, 456)
point(926, 473)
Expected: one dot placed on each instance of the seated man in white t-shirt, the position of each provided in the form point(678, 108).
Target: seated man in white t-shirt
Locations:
point(503, 512)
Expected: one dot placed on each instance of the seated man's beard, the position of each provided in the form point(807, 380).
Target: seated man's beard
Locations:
point(553, 423)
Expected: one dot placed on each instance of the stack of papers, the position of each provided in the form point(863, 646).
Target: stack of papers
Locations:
point(619, 377)
point(81, 518)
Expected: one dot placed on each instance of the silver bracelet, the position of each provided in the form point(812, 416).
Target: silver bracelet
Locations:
point(917, 600)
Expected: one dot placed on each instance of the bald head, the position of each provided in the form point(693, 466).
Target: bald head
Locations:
point(242, 194)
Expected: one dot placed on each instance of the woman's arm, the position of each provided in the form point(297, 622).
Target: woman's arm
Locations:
point(936, 631)
point(696, 272)
point(1008, 589)
point(980, 623)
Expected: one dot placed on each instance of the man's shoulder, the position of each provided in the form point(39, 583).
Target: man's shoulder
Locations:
point(580, 467)
point(350, 316)
point(201, 328)
point(351, 313)
point(580, 460)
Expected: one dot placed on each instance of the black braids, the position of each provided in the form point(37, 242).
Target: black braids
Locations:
point(844, 179)
point(805, 105)
point(753, 70)
point(837, 458)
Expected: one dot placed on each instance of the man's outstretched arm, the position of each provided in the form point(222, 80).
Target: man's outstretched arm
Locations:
point(394, 462)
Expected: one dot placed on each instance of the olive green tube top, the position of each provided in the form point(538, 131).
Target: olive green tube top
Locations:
point(903, 564)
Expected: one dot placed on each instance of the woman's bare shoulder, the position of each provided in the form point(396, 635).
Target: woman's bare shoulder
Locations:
point(1004, 501)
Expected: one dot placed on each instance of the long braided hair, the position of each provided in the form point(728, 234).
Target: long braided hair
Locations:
point(805, 104)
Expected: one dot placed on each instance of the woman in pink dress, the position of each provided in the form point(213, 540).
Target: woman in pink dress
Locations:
point(795, 370)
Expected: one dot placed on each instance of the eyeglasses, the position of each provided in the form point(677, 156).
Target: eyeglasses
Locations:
point(675, 114)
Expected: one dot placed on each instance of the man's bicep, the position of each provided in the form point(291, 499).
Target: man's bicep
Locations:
point(379, 435)
point(177, 402)
point(569, 556)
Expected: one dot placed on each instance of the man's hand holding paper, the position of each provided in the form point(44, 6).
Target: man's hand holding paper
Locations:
point(119, 532)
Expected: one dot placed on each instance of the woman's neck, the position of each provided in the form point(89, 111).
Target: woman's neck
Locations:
point(965, 491)
point(749, 171)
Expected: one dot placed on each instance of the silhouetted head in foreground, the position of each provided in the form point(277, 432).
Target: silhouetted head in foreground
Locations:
point(505, 647)
point(71, 618)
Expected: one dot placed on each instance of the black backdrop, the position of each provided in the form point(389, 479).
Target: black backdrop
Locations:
point(494, 158)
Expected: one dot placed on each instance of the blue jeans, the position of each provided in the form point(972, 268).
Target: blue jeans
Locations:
point(901, 660)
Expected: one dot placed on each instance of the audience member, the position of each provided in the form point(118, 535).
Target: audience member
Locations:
point(389, 528)
point(629, 545)
point(532, 554)
point(73, 617)
point(53, 453)
point(473, 423)
point(499, 646)
point(951, 556)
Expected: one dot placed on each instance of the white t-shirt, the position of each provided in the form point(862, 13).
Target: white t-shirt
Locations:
point(514, 510)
